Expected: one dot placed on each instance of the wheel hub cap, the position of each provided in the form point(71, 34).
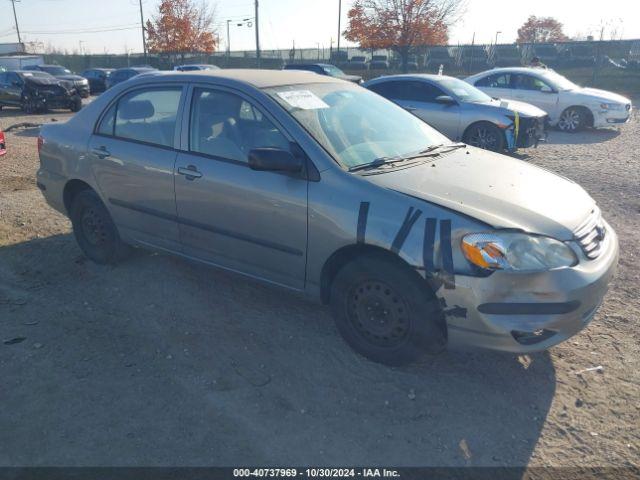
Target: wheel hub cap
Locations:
point(93, 227)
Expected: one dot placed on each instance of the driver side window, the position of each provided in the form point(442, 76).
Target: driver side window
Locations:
point(527, 82)
point(227, 126)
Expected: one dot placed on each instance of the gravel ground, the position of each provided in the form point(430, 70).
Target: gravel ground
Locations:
point(162, 362)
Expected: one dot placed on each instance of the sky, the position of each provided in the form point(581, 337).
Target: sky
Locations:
point(113, 26)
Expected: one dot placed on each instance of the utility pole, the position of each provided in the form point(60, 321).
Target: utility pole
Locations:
point(228, 39)
point(15, 17)
point(257, 36)
point(339, 18)
point(144, 40)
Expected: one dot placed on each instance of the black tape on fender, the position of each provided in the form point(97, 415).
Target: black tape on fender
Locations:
point(447, 255)
point(427, 246)
point(363, 214)
point(409, 220)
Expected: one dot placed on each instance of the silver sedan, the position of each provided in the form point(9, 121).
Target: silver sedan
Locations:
point(321, 186)
point(462, 112)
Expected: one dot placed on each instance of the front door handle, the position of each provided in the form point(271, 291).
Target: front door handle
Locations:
point(101, 152)
point(190, 172)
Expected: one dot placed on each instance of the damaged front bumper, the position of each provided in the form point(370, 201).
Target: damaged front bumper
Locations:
point(526, 132)
point(527, 312)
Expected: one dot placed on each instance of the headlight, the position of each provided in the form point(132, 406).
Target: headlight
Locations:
point(612, 106)
point(515, 251)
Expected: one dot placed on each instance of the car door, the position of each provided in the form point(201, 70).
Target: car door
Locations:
point(420, 99)
point(12, 91)
point(133, 157)
point(254, 222)
point(534, 90)
point(4, 85)
point(496, 85)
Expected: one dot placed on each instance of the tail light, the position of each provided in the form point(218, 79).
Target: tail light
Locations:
point(40, 142)
point(3, 145)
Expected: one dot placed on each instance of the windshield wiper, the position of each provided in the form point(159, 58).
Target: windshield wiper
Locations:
point(376, 163)
point(433, 148)
point(427, 152)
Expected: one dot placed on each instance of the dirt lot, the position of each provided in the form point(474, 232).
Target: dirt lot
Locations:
point(161, 362)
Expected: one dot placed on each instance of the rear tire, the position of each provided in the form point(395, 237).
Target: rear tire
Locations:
point(95, 231)
point(485, 135)
point(385, 313)
point(572, 120)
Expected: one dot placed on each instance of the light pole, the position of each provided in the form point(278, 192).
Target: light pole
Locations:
point(144, 40)
point(497, 33)
point(228, 39)
point(339, 18)
point(15, 17)
point(257, 35)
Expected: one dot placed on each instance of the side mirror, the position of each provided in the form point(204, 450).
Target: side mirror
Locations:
point(274, 160)
point(446, 100)
point(16, 83)
point(546, 89)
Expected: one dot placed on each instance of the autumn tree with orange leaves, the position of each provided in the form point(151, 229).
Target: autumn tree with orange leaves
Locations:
point(541, 30)
point(401, 25)
point(181, 26)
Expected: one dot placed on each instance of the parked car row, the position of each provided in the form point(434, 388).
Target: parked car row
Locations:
point(416, 242)
point(480, 57)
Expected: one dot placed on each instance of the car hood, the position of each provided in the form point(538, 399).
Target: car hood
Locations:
point(42, 81)
point(498, 190)
point(71, 78)
point(351, 78)
point(522, 108)
point(597, 95)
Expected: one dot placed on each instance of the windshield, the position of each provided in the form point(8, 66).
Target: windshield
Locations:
point(332, 71)
point(559, 82)
point(355, 125)
point(36, 74)
point(464, 91)
point(56, 70)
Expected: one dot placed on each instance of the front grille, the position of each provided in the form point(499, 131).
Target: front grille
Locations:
point(591, 233)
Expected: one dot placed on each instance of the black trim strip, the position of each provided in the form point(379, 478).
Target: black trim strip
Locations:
point(529, 308)
point(409, 220)
point(429, 242)
point(209, 228)
point(363, 214)
point(447, 255)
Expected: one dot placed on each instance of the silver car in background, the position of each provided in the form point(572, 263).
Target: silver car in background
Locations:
point(462, 112)
point(321, 186)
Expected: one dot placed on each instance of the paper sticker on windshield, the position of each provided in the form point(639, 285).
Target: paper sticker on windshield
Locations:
point(303, 99)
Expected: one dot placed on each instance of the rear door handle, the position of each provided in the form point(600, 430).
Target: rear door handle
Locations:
point(101, 152)
point(191, 172)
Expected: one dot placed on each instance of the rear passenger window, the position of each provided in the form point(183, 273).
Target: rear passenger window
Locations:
point(495, 81)
point(148, 116)
point(227, 126)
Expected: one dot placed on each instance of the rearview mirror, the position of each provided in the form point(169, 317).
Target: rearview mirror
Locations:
point(446, 100)
point(274, 160)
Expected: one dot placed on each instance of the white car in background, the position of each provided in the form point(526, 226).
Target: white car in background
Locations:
point(569, 106)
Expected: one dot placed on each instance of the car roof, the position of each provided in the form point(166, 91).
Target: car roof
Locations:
point(255, 77)
point(412, 76)
point(308, 64)
point(511, 70)
point(137, 69)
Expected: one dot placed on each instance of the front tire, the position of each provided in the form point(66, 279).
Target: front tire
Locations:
point(485, 135)
point(572, 120)
point(76, 104)
point(94, 229)
point(385, 312)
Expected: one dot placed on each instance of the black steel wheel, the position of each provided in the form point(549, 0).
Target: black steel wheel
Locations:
point(94, 229)
point(385, 311)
